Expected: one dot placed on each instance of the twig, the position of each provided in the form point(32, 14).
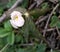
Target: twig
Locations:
point(39, 2)
point(25, 45)
point(29, 44)
point(51, 50)
point(40, 20)
point(4, 48)
point(48, 30)
point(58, 33)
point(32, 5)
point(49, 19)
point(14, 6)
point(51, 29)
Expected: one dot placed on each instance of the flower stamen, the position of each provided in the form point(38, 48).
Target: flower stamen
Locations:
point(16, 18)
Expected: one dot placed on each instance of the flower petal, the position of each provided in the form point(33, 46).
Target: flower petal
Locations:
point(15, 13)
point(13, 24)
point(20, 22)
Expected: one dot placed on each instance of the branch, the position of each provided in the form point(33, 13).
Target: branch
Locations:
point(32, 5)
point(13, 6)
point(58, 37)
point(49, 19)
point(42, 19)
point(4, 48)
point(48, 30)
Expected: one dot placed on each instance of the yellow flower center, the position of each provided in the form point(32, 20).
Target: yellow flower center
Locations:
point(16, 18)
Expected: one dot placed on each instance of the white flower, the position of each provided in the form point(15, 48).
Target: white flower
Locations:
point(16, 19)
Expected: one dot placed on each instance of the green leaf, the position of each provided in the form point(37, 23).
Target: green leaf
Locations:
point(41, 48)
point(2, 42)
point(29, 29)
point(32, 29)
point(1, 11)
point(10, 3)
point(37, 12)
point(25, 30)
point(10, 49)
point(19, 38)
point(58, 24)
point(44, 5)
point(25, 3)
point(10, 38)
point(31, 49)
point(7, 26)
point(3, 4)
point(20, 9)
point(20, 50)
point(3, 33)
point(56, 50)
point(37, 48)
point(54, 21)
